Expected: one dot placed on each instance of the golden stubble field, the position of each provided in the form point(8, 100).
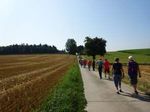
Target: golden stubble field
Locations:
point(26, 79)
point(144, 81)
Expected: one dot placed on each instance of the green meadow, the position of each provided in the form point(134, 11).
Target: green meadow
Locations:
point(142, 56)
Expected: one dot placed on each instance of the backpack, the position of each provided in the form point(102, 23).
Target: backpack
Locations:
point(100, 64)
point(132, 67)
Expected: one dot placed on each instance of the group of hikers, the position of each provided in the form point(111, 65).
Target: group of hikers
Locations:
point(116, 69)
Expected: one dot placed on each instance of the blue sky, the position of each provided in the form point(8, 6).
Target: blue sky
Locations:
point(125, 24)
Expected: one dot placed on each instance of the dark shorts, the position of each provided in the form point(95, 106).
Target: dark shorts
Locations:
point(133, 79)
point(117, 77)
point(107, 71)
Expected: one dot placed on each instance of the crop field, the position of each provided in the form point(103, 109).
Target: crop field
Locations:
point(25, 80)
point(144, 81)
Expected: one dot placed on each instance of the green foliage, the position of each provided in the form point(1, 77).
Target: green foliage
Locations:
point(68, 96)
point(71, 46)
point(95, 46)
point(80, 49)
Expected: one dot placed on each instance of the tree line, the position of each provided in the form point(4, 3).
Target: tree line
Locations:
point(29, 49)
point(93, 46)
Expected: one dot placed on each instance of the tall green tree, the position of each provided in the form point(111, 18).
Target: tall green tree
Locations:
point(71, 46)
point(95, 46)
point(80, 49)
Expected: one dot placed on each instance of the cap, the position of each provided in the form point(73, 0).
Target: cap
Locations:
point(130, 57)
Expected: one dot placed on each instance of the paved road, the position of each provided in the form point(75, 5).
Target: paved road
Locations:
point(101, 96)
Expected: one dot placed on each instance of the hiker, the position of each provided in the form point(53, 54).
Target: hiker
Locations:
point(89, 64)
point(100, 67)
point(81, 62)
point(133, 72)
point(93, 65)
point(107, 68)
point(118, 74)
point(84, 63)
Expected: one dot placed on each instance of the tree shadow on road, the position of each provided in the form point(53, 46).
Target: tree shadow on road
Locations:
point(140, 96)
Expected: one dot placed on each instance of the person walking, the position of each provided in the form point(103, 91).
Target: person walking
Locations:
point(93, 65)
point(81, 62)
point(84, 63)
point(100, 67)
point(118, 74)
point(107, 68)
point(133, 72)
point(89, 64)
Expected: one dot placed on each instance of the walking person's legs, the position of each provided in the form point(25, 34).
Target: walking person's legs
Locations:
point(135, 88)
point(134, 83)
point(100, 72)
point(116, 82)
point(105, 72)
point(108, 74)
point(89, 67)
point(93, 65)
point(119, 81)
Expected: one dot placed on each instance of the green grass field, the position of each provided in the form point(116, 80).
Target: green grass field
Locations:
point(142, 56)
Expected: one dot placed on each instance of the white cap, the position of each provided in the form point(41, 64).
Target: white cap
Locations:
point(130, 57)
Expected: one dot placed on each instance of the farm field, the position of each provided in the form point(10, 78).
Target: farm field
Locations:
point(26, 79)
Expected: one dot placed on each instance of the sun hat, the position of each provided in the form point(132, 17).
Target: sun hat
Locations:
point(130, 57)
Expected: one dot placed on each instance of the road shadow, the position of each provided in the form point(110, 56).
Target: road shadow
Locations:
point(140, 96)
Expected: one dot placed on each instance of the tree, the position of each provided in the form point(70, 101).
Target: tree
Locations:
point(71, 46)
point(80, 49)
point(95, 46)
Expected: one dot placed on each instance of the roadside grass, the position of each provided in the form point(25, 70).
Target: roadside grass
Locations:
point(68, 95)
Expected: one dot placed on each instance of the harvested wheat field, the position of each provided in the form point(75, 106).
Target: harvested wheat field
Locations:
point(26, 79)
point(144, 81)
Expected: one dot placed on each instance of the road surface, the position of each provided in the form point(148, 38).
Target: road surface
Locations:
point(102, 97)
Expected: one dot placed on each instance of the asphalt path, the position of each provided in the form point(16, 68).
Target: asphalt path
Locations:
point(102, 97)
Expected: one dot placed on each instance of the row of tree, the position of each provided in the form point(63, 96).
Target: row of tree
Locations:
point(28, 49)
point(93, 46)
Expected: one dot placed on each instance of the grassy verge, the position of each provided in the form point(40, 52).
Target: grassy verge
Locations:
point(68, 95)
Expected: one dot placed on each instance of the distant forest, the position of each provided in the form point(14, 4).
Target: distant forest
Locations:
point(29, 49)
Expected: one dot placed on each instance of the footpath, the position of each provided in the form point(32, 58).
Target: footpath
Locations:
point(102, 97)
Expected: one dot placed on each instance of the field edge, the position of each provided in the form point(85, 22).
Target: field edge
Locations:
point(68, 95)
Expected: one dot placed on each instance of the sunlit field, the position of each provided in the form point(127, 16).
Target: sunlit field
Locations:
point(26, 79)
